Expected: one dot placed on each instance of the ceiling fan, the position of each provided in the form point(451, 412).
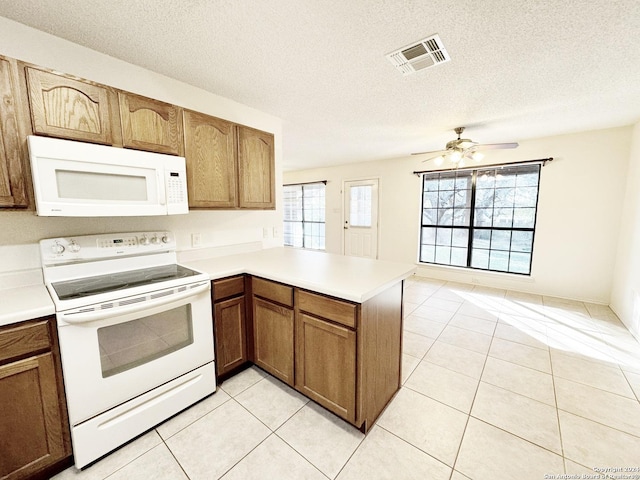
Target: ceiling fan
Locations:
point(461, 149)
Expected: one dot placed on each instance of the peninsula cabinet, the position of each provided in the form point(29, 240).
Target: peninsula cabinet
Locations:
point(348, 354)
point(326, 364)
point(34, 432)
point(13, 177)
point(64, 107)
point(345, 356)
point(256, 169)
point(151, 125)
point(273, 328)
point(210, 152)
point(230, 331)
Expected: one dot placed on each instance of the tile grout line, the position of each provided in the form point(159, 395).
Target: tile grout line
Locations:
point(415, 446)
point(173, 455)
point(466, 425)
point(310, 462)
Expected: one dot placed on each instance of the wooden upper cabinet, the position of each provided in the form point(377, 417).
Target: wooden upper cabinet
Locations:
point(210, 152)
point(151, 125)
point(256, 163)
point(13, 188)
point(68, 108)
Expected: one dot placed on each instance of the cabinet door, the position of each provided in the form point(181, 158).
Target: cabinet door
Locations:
point(273, 339)
point(210, 151)
point(256, 169)
point(13, 180)
point(230, 334)
point(67, 108)
point(150, 125)
point(326, 364)
point(31, 430)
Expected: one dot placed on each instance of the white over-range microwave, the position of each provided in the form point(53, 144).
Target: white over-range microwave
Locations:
point(76, 179)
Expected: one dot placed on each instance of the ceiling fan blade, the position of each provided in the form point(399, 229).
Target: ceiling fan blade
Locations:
point(432, 151)
point(430, 158)
point(494, 146)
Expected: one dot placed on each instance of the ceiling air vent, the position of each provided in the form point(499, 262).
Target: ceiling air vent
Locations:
point(420, 55)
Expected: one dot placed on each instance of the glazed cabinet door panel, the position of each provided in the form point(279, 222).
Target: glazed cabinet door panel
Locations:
point(30, 424)
point(256, 169)
point(68, 108)
point(13, 179)
point(326, 364)
point(273, 339)
point(230, 334)
point(151, 125)
point(210, 152)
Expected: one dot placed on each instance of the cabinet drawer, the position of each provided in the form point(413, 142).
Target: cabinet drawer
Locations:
point(329, 308)
point(229, 287)
point(277, 292)
point(24, 339)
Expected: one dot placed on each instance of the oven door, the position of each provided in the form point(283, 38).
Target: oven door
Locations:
point(121, 353)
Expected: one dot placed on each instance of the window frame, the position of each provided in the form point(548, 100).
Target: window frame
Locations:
point(304, 222)
point(471, 227)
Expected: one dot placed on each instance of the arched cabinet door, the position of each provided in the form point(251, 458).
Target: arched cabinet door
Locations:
point(64, 107)
point(256, 168)
point(151, 125)
point(210, 150)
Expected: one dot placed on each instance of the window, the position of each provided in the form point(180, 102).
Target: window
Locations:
point(483, 219)
point(304, 215)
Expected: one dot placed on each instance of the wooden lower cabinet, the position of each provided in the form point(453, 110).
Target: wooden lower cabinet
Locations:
point(348, 355)
point(34, 432)
point(230, 334)
point(326, 364)
point(273, 339)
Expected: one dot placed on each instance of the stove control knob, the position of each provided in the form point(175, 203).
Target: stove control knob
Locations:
point(74, 247)
point(144, 240)
point(155, 240)
point(57, 248)
point(165, 238)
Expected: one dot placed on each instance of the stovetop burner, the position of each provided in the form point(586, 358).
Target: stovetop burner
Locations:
point(84, 287)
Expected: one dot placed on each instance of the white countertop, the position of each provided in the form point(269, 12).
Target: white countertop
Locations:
point(350, 278)
point(24, 303)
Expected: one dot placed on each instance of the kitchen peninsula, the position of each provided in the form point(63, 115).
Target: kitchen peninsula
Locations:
point(328, 325)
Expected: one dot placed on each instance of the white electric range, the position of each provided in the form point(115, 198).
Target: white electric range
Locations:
point(135, 331)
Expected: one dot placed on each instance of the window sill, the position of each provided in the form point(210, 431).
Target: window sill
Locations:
point(475, 275)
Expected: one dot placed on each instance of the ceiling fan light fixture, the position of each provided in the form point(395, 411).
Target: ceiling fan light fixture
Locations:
point(439, 160)
point(455, 156)
point(477, 156)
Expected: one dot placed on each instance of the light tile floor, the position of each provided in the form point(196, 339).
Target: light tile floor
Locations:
point(496, 385)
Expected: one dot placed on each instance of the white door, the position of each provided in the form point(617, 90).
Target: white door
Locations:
point(361, 218)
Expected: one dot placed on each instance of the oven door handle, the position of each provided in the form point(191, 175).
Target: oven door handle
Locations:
point(95, 315)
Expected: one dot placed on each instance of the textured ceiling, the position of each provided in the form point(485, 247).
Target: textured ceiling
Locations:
point(519, 69)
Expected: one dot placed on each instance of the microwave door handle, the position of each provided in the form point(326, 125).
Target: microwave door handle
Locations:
point(162, 187)
point(96, 315)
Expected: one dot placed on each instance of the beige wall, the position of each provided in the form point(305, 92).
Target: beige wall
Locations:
point(581, 195)
point(20, 230)
point(625, 295)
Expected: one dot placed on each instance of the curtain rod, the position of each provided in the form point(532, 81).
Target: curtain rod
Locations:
point(305, 183)
point(542, 161)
